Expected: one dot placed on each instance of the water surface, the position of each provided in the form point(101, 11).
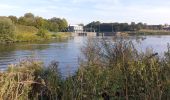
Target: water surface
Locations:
point(66, 52)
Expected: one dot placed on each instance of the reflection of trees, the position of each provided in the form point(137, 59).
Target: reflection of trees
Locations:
point(21, 46)
point(31, 47)
point(136, 39)
point(12, 53)
point(7, 50)
point(28, 46)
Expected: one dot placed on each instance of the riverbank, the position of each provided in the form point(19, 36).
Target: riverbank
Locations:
point(29, 28)
point(149, 32)
point(114, 71)
point(30, 34)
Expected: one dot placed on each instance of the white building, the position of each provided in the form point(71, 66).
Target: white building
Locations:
point(75, 28)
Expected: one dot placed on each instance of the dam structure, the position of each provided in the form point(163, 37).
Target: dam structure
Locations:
point(78, 30)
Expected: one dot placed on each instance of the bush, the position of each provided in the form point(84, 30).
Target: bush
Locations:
point(29, 80)
point(44, 33)
point(16, 83)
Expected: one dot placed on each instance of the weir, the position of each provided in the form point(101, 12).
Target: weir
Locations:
point(93, 34)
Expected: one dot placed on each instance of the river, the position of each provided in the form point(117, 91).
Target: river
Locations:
point(66, 52)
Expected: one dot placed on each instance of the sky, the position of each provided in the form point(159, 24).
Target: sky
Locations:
point(85, 11)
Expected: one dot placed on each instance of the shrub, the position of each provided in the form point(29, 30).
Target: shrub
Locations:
point(44, 33)
point(16, 82)
point(29, 80)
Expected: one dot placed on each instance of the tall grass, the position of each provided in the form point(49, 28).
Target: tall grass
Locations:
point(120, 71)
point(108, 71)
point(29, 80)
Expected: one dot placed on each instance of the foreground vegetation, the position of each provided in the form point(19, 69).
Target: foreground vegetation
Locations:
point(108, 70)
point(30, 28)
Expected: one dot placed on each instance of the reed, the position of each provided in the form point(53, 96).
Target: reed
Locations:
point(108, 71)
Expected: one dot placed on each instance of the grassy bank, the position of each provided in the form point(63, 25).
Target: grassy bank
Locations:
point(108, 71)
point(32, 34)
point(61, 35)
point(149, 32)
point(28, 28)
point(11, 32)
point(26, 33)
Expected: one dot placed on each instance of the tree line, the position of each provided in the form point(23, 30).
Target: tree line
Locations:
point(10, 26)
point(54, 24)
point(115, 27)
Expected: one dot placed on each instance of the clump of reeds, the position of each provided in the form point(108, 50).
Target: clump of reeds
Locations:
point(15, 83)
point(30, 80)
point(118, 70)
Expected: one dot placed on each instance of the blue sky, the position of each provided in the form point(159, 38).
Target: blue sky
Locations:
point(85, 11)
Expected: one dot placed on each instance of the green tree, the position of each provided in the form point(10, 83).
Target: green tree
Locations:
point(28, 19)
point(29, 15)
point(7, 29)
point(13, 18)
point(53, 24)
point(43, 33)
point(39, 22)
point(139, 26)
point(57, 24)
point(21, 20)
point(63, 25)
point(133, 26)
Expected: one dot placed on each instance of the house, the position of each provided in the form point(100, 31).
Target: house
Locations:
point(76, 28)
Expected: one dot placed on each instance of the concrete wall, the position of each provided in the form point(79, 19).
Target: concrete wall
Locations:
point(93, 34)
point(88, 34)
point(106, 34)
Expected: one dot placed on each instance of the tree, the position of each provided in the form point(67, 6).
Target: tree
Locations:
point(14, 19)
point(55, 23)
point(29, 15)
point(43, 33)
point(132, 26)
point(95, 25)
point(39, 22)
point(53, 27)
point(7, 28)
point(21, 20)
point(28, 19)
point(63, 25)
